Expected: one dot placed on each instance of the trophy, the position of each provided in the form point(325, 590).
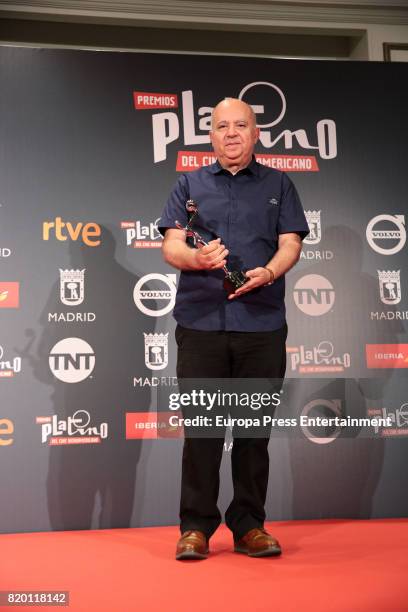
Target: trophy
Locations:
point(234, 279)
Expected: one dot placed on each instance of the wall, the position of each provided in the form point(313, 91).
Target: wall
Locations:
point(322, 30)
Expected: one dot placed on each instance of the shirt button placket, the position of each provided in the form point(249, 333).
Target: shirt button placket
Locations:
point(230, 320)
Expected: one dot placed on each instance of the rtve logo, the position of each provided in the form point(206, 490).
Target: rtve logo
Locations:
point(6, 432)
point(89, 233)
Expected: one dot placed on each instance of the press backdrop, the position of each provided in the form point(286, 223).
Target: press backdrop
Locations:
point(91, 143)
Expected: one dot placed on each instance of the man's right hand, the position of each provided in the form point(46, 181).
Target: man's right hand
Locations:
point(176, 252)
point(211, 256)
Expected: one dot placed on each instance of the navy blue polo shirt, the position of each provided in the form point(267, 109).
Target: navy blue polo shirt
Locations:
point(247, 211)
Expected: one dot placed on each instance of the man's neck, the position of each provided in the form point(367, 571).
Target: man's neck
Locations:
point(235, 168)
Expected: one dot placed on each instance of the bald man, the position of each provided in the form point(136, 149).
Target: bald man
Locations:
point(252, 220)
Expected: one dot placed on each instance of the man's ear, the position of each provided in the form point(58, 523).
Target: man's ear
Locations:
point(256, 136)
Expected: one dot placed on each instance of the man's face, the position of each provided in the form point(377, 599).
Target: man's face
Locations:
point(233, 134)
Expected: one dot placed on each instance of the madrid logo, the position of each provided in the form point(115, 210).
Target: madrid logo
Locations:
point(156, 351)
point(164, 297)
point(386, 234)
point(72, 360)
point(390, 286)
point(314, 295)
point(72, 287)
point(313, 221)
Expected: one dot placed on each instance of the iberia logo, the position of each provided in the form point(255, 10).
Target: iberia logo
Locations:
point(9, 295)
point(151, 425)
point(387, 355)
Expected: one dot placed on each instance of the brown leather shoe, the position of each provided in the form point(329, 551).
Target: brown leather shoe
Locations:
point(193, 544)
point(258, 543)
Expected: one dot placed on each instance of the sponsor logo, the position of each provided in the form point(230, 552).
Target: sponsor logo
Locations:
point(71, 293)
point(72, 360)
point(140, 236)
point(389, 315)
point(9, 295)
point(316, 255)
point(156, 351)
point(390, 286)
point(145, 100)
point(196, 123)
point(313, 221)
point(72, 287)
point(318, 359)
point(314, 295)
point(71, 317)
point(9, 368)
point(165, 297)
point(386, 234)
point(191, 160)
point(390, 294)
point(324, 408)
point(315, 236)
point(155, 381)
point(88, 233)
point(398, 419)
point(387, 355)
point(75, 429)
point(6, 432)
point(151, 425)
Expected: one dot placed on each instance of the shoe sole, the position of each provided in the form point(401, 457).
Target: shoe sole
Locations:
point(269, 552)
point(190, 555)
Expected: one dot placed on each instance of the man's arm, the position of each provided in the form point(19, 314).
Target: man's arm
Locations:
point(287, 255)
point(179, 255)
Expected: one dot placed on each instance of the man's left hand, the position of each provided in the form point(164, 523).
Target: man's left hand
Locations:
point(257, 278)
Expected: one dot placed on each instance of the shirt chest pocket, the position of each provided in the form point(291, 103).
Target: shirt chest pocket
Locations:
point(260, 218)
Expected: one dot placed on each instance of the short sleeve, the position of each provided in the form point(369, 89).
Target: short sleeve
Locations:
point(175, 209)
point(291, 215)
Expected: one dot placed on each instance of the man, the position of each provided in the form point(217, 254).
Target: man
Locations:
point(255, 212)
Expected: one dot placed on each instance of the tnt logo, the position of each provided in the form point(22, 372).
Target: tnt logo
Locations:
point(72, 360)
point(314, 295)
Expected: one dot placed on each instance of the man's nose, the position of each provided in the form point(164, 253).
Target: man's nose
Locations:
point(232, 130)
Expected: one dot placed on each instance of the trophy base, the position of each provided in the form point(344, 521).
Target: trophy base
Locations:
point(234, 280)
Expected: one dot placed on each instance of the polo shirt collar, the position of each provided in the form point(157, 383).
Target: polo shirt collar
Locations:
point(252, 167)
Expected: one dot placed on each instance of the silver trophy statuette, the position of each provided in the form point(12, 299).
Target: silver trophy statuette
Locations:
point(234, 279)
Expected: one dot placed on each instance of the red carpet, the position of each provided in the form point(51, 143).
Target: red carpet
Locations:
point(327, 566)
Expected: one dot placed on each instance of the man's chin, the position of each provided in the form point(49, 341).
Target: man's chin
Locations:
point(233, 156)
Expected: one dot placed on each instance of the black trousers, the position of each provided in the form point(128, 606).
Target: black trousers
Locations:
point(222, 354)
